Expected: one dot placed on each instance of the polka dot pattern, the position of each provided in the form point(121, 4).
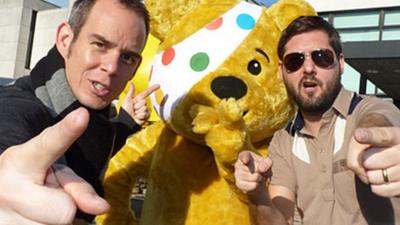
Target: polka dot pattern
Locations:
point(197, 55)
point(199, 61)
point(215, 24)
point(168, 56)
point(245, 21)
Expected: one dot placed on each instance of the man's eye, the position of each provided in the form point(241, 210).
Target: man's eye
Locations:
point(128, 59)
point(99, 44)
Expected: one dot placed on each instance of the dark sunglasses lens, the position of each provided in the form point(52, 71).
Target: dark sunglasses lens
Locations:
point(323, 58)
point(293, 61)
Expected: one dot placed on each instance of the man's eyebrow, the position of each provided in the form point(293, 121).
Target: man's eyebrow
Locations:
point(101, 38)
point(262, 53)
point(125, 51)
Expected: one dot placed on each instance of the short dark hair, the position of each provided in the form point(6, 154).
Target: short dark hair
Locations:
point(306, 24)
point(81, 9)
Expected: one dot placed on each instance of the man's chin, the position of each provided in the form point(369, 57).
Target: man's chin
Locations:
point(308, 103)
point(96, 105)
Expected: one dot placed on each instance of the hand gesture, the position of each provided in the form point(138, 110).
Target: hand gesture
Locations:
point(136, 105)
point(33, 190)
point(374, 155)
point(251, 172)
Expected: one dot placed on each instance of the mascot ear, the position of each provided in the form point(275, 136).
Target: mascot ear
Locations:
point(177, 19)
point(285, 11)
point(164, 14)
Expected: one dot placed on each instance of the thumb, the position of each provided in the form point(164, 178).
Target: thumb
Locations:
point(34, 157)
point(264, 164)
point(378, 136)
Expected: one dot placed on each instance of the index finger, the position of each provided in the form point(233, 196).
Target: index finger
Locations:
point(378, 136)
point(148, 91)
point(35, 156)
point(354, 158)
point(245, 157)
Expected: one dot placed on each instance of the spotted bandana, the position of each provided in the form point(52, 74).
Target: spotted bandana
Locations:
point(179, 67)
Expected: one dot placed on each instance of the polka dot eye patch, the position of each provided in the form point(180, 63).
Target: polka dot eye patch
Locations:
point(179, 67)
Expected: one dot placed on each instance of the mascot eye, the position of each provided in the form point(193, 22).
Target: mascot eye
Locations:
point(254, 67)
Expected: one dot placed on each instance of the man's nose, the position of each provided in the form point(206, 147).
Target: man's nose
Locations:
point(110, 63)
point(308, 65)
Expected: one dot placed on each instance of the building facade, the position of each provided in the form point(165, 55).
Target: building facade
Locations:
point(17, 26)
point(370, 33)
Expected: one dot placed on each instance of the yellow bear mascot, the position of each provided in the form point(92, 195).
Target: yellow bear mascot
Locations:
point(220, 94)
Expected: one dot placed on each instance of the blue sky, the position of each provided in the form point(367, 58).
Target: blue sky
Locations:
point(61, 3)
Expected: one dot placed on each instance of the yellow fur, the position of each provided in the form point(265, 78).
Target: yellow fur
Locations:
point(189, 162)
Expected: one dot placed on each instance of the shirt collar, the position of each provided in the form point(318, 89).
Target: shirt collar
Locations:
point(344, 104)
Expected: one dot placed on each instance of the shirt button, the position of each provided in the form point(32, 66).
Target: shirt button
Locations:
point(323, 168)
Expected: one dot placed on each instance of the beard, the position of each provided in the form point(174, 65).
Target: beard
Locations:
point(312, 103)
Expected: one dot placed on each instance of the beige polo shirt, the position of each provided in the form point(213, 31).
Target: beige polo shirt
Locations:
point(314, 168)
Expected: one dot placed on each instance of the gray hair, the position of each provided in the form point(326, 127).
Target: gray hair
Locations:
point(81, 9)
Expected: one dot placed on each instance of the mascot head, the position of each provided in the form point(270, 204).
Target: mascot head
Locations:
point(213, 50)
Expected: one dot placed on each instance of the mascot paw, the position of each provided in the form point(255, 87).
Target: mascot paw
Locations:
point(223, 121)
point(204, 118)
point(230, 114)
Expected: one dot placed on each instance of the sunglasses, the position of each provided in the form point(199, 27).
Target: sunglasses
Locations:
point(323, 58)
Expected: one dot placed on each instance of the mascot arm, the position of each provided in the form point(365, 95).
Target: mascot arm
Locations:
point(130, 163)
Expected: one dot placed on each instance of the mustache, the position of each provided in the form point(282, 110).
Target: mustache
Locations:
point(309, 79)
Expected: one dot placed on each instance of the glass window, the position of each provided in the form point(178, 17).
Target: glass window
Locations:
point(351, 78)
point(391, 34)
point(359, 35)
point(356, 19)
point(30, 40)
point(379, 91)
point(325, 17)
point(392, 17)
point(372, 89)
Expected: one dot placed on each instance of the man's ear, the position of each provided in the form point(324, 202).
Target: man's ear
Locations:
point(341, 63)
point(64, 38)
point(280, 68)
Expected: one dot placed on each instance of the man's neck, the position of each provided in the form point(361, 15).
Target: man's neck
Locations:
point(312, 121)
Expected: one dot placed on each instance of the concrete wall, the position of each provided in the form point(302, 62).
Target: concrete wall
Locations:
point(45, 33)
point(15, 22)
point(10, 20)
point(46, 28)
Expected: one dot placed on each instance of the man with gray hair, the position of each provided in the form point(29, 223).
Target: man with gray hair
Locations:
point(56, 134)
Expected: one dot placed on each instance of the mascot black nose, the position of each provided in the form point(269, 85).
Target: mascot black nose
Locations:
point(228, 86)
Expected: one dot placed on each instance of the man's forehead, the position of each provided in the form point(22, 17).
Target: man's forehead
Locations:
point(308, 41)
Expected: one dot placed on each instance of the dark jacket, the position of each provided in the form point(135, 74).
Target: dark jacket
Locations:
point(23, 116)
